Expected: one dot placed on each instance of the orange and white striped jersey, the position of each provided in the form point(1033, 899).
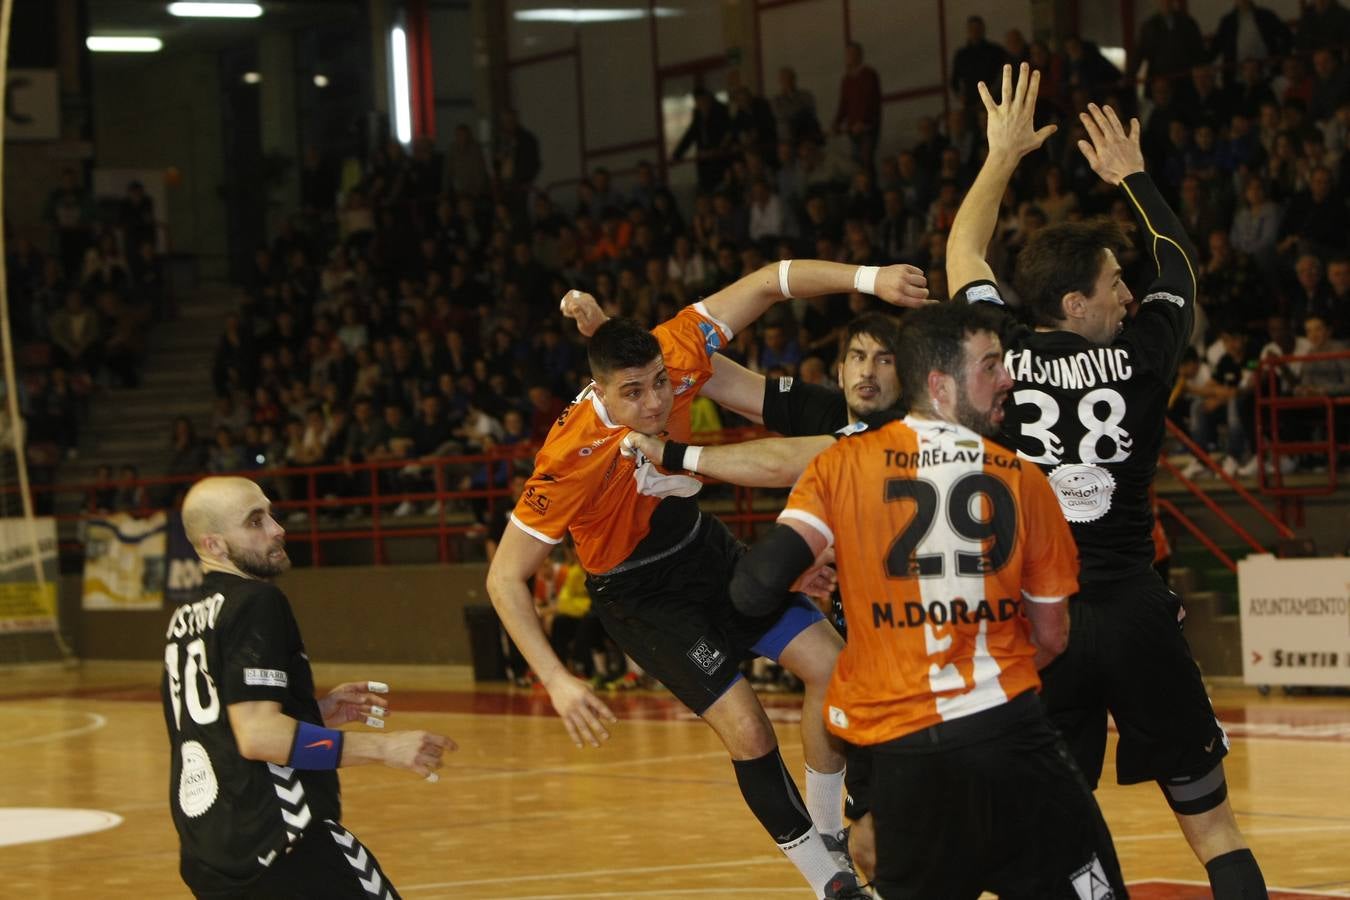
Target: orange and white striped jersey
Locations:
point(582, 482)
point(940, 535)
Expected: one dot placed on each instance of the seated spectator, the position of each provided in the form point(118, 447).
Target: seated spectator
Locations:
point(1309, 295)
point(224, 455)
point(77, 335)
point(130, 495)
point(1256, 226)
point(1231, 286)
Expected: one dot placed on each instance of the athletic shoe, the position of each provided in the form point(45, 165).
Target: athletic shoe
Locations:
point(837, 844)
point(404, 509)
point(844, 886)
point(1195, 469)
point(1250, 467)
point(1230, 467)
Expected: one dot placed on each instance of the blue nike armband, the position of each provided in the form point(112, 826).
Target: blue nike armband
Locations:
point(315, 747)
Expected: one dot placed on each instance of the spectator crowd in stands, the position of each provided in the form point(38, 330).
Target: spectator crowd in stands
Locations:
point(82, 307)
point(419, 317)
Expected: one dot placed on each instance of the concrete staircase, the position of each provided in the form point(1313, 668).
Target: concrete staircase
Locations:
point(133, 425)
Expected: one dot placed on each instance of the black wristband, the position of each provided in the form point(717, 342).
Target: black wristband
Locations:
point(672, 457)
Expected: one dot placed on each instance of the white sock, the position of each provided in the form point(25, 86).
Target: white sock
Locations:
point(825, 800)
point(809, 855)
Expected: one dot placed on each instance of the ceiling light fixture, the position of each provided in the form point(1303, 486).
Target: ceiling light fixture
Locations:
point(321, 81)
point(106, 43)
point(586, 16)
point(252, 77)
point(218, 10)
point(398, 45)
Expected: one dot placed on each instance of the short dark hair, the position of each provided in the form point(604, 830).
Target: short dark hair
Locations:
point(880, 327)
point(621, 344)
point(933, 337)
point(1060, 259)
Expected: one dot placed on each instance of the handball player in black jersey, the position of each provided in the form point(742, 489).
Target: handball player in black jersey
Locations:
point(1088, 406)
point(253, 788)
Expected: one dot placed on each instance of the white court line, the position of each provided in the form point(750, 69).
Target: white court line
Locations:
point(94, 724)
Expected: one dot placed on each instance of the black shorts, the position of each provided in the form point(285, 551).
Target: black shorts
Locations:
point(675, 617)
point(858, 782)
point(327, 863)
point(1127, 655)
point(989, 802)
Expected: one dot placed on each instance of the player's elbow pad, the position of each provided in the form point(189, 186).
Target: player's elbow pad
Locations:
point(767, 571)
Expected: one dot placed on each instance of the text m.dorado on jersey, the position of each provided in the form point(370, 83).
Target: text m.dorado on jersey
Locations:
point(956, 611)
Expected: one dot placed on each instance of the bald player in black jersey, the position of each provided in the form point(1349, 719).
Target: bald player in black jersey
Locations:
point(253, 788)
point(1088, 405)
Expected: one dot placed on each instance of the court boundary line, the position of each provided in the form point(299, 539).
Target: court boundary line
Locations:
point(96, 722)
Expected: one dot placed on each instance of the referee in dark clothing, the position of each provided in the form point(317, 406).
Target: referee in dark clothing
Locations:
point(254, 789)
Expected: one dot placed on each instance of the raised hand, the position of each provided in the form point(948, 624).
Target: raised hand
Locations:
point(902, 285)
point(582, 307)
point(1113, 154)
point(1011, 130)
point(584, 715)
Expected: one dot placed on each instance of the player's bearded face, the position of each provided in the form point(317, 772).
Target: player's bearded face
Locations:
point(262, 561)
point(868, 377)
point(639, 397)
point(983, 387)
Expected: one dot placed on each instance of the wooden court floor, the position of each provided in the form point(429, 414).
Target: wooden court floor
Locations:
point(519, 813)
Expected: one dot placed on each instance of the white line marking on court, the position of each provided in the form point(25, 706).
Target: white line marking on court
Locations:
point(94, 723)
point(592, 873)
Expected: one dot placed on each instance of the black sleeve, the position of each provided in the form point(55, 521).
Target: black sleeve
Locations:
point(793, 408)
point(256, 647)
point(1012, 332)
point(763, 575)
point(1166, 317)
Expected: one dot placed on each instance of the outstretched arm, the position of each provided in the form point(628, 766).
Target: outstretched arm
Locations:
point(742, 302)
point(1012, 135)
point(767, 462)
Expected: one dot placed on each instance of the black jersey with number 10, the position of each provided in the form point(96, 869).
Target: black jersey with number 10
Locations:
point(1093, 416)
point(235, 816)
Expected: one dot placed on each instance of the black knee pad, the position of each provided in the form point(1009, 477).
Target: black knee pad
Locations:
point(1193, 795)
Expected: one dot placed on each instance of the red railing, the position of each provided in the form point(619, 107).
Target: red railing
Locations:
point(1272, 448)
point(327, 495)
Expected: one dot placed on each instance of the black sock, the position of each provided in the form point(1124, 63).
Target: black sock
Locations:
point(772, 796)
point(1236, 876)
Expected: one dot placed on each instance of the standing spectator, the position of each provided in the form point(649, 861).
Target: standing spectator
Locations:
point(516, 160)
point(1016, 47)
point(979, 60)
point(795, 109)
point(1086, 68)
point(859, 111)
point(1338, 280)
point(768, 219)
point(465, 169)
point(70, 209)
point(708, 133)
point(753, 126)
point(1169, 42)
point(1249, 31)
point(136, 216)
point(1323, 23)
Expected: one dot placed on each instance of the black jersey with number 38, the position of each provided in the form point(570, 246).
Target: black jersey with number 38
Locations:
point(1093, 416)
point(238, 643)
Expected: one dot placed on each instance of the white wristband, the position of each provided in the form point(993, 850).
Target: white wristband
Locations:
point(691, 455)
point(783, 278)
point(865, 279)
